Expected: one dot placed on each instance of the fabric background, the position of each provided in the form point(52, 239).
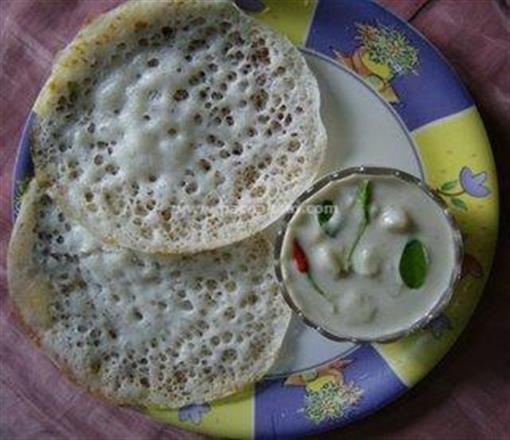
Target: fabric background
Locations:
point(466, 396)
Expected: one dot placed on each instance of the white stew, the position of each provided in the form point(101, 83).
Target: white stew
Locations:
point(368, 256)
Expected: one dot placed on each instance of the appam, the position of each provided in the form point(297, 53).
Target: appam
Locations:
point(144, 329)
point(178, 126)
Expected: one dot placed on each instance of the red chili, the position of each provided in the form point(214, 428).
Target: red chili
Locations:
point(299, 257)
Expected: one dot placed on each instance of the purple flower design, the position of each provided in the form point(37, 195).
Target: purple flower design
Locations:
point(193, 413)
point(473, 184)
point(251, 5)
point(467, 183)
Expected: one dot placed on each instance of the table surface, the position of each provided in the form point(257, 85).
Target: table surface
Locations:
point(466, 396)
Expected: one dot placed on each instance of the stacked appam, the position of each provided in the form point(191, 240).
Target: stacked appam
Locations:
point(168, 136)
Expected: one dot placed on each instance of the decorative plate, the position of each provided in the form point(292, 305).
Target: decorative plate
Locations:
point(389, 99)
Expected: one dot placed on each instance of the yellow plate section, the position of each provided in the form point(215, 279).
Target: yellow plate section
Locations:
point(457, 159)
point(291, 17)
point(232, 417)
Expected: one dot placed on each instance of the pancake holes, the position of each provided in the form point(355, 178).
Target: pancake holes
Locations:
point(202, 94)
point(230, 286)
point(172, 132)
point(229, 355)
point(197, 118)
point(204, 165)
point(215, 341)
point(203, 325)
point(293, 145)
point(98, 159)
point(162, 305)
point(166, 214)
point(181, 95)
point(95, 366)
point(238, 149)
point(140, 210)
point(226, 337)
point(150, 205)
point(216, 96)
point(89, 196)
point(212, 200)
point(263, 119)
point(229, 313)
point(276, 126)
point(167, 31)
point(258, 191)
point(282, 160)
point(259, 99)
point(211, 284)
point(187, 305)
point(137, 315)
point(153, 62)
point(191, 188)
point(249, 317)
point(111, 169)
point(290, 83)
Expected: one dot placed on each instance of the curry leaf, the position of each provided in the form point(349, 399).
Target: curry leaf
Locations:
point(459, 203)
point(326, 211)
point(364, 198)
point(447, 186)
point(321, 292)
point(414, 264)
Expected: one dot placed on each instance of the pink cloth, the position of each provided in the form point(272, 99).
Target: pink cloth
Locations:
point(468, 396)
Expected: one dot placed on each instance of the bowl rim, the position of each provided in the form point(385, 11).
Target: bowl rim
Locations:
point(362, 170)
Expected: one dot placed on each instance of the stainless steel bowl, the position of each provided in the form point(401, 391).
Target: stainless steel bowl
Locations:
point(372, 171)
